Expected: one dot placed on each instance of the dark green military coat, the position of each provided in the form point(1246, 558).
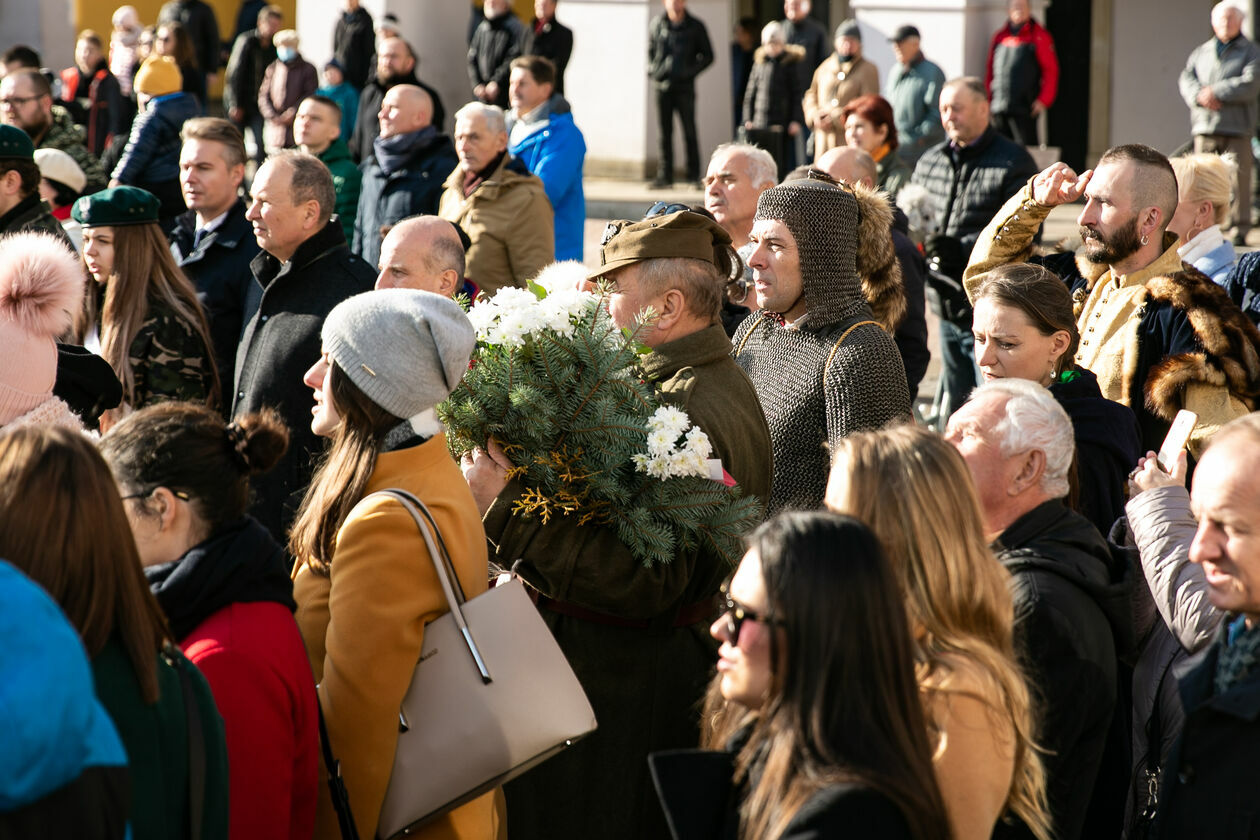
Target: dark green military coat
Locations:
point(645, 684)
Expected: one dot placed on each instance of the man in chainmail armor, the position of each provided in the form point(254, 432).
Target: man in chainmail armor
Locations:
point(822, 364)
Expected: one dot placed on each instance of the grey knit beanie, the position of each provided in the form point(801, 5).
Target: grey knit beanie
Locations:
point(405, 349)
point(823, 219)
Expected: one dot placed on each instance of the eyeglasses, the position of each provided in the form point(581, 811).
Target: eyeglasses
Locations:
point(18, 101)
point(664, 208)
point(734, 614)
point(179, 494)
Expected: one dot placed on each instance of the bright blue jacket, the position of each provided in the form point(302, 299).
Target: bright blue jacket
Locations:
point(555, 154)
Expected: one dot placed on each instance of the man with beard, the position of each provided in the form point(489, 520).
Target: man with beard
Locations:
point(395, 65)
point(26, 102)
point(1159, 335)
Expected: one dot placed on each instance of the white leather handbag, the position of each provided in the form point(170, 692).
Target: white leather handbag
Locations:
point(491, 696)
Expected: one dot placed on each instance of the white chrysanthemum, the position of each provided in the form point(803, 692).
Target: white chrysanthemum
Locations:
point(698, 442)
point(673, 420)
point(660, 442)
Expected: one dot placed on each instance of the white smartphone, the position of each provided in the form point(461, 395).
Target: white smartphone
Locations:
point(1175, 441)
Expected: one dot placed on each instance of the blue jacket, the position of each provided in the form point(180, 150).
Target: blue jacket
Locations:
point(65, 771)
point(1218, 262)
point(914, 93)
point(152, 152)
point(555, 154)
point(347, 98)
point(388, 199)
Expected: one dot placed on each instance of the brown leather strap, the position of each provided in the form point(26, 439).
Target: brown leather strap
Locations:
point(836, 349)
point(688, 615)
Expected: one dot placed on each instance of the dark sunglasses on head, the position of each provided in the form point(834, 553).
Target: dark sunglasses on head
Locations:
point(664, 208)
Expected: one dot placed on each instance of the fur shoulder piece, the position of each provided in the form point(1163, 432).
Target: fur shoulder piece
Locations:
point(877, 264)
point(791, 54)
point(1231, 344)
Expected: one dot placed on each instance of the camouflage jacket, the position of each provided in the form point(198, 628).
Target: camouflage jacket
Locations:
point(31, 214)
point(72, 139)
point(169, 361)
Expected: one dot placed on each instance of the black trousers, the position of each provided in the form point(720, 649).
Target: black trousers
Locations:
point(679, 99)
point(1022, 128)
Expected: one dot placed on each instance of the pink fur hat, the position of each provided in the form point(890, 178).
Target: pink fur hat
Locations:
point(41, 287)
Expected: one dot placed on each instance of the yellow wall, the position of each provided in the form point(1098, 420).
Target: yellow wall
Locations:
point(93, 14)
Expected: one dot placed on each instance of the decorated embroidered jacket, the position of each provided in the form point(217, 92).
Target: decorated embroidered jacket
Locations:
point(1159, 340)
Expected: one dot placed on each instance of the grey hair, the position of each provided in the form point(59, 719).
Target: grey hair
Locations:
point(761, 166)
point(1230, 6)
point(311, 180)
point(972, 83)
point(492, 114)
point(1033, 419)
point(772, 31)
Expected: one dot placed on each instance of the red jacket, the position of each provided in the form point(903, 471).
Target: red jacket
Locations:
point(99, 101)
point(1022, 68)
point(253, 657)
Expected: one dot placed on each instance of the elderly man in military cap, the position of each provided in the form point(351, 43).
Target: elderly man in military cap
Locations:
point(636, 636)
point(21, 208)
point(824, 365)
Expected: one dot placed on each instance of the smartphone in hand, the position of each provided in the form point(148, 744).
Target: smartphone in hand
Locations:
point(1176, 439)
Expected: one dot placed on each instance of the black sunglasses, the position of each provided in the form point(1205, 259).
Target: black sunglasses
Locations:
point(664, 208)
point(734, 614)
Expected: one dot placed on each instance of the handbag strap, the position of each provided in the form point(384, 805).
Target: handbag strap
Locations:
point(336, 785)
point(196, 753)
point(442, 565)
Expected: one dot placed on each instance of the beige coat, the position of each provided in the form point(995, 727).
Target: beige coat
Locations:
point(834, 85)
point(509, 220)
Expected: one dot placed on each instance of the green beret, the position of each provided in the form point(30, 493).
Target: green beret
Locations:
point(680, 234)
point(116, 206)
point(15, 144)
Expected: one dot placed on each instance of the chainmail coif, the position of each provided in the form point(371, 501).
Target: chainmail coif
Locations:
point(823, 219)
point(839, 372)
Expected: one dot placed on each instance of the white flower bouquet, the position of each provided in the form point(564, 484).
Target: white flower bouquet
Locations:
point(558, 386)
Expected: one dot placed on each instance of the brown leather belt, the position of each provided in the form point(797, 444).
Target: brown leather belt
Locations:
point(695, 613)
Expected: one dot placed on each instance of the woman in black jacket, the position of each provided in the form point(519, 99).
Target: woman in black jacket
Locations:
point(813, 610)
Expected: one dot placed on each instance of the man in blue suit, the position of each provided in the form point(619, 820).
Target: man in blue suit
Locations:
point(541, 134)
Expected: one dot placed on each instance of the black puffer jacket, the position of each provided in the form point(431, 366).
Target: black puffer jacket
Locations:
point(354, 45)
point(969, 185)
point(1072, 618)
point(772, 97)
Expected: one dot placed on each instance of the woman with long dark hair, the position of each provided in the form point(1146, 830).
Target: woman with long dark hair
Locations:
point(143, 315)
point(224, 585)
point(62, 523)
point(812, 611)
point(364, 582)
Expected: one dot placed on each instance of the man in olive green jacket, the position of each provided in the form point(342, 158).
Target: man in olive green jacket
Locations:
point(636, 636)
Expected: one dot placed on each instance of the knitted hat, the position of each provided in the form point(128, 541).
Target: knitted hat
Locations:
point(823, 219)
point(158, 76)
point(116, 206)
point(56, 165)
point(849, 29)
point(41, 287)
point(680, 234)
point(405, 349)
point(15, 144)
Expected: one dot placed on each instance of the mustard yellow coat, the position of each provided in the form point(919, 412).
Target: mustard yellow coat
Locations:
point(364, 628)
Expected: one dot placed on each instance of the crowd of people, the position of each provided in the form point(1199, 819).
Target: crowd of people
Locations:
point(1012, 620)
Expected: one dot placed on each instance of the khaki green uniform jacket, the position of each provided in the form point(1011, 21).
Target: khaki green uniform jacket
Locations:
point(644, 684)
point(72, 139)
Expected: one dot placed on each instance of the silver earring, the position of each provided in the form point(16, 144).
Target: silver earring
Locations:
point(1144, 239)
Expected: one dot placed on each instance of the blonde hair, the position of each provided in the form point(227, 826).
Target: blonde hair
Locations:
point(914, 491)
point(287, 37)
point(1204, 176)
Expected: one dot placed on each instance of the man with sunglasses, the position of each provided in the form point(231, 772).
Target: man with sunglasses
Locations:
point(635, 635)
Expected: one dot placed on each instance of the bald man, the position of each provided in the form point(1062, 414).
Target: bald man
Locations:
point(404, 174)
point(424, 253)
point(854, 166)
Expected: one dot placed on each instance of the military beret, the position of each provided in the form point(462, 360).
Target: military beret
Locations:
point(116, 206)
point(680, 234)
point(15, 144)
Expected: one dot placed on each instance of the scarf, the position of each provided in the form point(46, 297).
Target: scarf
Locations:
point(239, 564)
point(393, 153)
point(1238, 657)
point(1204, 242)
point(472, 180)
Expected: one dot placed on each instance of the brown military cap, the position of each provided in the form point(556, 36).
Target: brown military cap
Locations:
point(680, 234)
